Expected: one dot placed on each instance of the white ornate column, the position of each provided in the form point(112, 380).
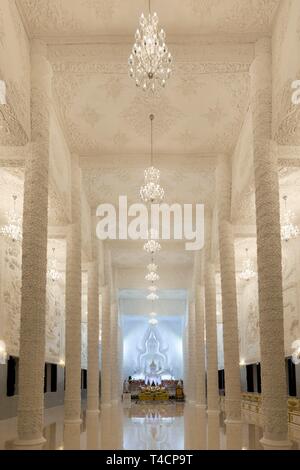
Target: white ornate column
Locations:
point(211, 340)
point(105, 349)
point(114, 355)
point(191, 354)
point(213, 431)
point(273, 375)
point(93, 340)
point(229, 297)
point(73, 304)
point(200, 348)
point(34, 257)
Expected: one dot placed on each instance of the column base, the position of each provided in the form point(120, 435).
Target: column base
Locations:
point(270, 444)
point(213, 412)
point(73, 421)
point(39, 441)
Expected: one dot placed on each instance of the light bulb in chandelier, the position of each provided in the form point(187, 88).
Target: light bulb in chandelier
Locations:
point(153, 321)
point(150, 62)
point(248, 271)
point(288, 228)
point(13, 228)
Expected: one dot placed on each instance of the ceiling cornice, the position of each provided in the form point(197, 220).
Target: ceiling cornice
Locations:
point(173, 39)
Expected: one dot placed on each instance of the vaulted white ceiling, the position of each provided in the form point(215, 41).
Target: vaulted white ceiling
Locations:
point(105, 117)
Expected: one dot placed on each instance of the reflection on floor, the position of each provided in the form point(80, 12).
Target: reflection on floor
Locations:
point(174, 426)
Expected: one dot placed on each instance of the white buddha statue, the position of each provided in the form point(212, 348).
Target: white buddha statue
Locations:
point(152, 358)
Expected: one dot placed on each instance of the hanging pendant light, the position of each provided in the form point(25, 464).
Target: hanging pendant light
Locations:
point(152, 276)
point(288, 228)
point(152, 246)
point(152, 296)
point(151, 191)
point(152, 288)
point(150, 63)
point(13, 228)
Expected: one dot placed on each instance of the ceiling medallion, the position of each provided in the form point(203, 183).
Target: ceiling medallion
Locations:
point(151, 191)
point(13, 228)
point(288, 229)
point(247, 272)
point(150, 63)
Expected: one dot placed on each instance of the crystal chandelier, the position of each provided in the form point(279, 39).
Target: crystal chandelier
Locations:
point(13, 229)
point(152, 296)
point(153, 321)
point(52, 273)
point(152, 288)
point(152, 276)
point(151, 191)
point(152, 246)
point(152, 314)
point(152, 267)
point(150, 61)
point(248, 269)
point(288, 229)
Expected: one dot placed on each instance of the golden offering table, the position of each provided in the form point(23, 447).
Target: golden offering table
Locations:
point(153, 394)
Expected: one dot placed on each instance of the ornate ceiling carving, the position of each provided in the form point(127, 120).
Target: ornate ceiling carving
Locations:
point(88, 17)
point(102, 111)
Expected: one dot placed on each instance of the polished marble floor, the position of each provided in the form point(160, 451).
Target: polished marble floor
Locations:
point(149, 426)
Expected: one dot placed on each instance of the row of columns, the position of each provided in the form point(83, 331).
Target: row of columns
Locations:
point(34, 265)
point(33, 298)
point(274, 398)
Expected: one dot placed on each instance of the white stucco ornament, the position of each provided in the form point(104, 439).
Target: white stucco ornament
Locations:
point(296, 353)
